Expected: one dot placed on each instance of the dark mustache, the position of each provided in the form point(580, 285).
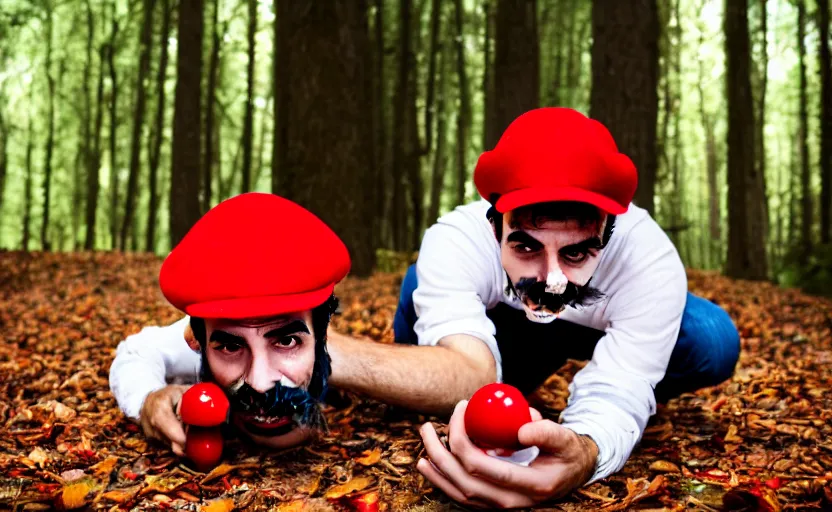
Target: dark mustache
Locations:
point(574, 296)
point(279, 401)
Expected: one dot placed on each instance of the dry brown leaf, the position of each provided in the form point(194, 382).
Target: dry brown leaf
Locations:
point(370, 457)
point(221, 505)
point(292, 506)
point(663, 466)
point(75, 495)
point(121, 495)
point(38, 456)
point(105, 467)
point(311, 486)
point(356, 484)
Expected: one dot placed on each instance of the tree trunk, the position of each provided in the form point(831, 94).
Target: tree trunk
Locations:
point(401, 127)
point(138, 120)
point(210, 108)
point(463, 118)
point(248, 120)
point(746, 236)
point(4, 150)
point(714, 219)
point(413, 153)
point(50, 137)
point(328, 163)
point(94, 164)
point(85, 152)
point(825, 123)
point(439, 158)
point(624, 97)
point(382, 224)
point(759, 137)
point(27, 187)
point(806, 193)
point(158, 131)
point(516, 65)
point(488, 75)
point(185, 158)
point(280, 133)
point(111, 51)
point(261, 144)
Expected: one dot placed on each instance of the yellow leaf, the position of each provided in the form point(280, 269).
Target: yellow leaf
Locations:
point(356, 484)
point(292, 506)
point(121, 495)
point(218, 472)
point(222, 505)
point(105, 467)
point(310, 487)
point(370, 457)
point(663, 466)
point(74, 495)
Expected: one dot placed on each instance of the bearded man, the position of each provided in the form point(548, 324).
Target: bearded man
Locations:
point(554, 263)
point(258, 303)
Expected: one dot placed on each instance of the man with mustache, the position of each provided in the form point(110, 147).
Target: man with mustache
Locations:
point(554, 263)
point(258, 305)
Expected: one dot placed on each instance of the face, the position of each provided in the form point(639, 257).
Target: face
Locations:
point(265, 366)
point(549, 264)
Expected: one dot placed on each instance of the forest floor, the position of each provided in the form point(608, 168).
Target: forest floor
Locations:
point(758, 442)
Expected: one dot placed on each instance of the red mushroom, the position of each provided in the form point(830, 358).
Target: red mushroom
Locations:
point(494, 415)
point(204, 447)
point(204, 405)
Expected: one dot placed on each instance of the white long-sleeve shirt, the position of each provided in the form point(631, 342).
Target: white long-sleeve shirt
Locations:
point(149, 360)
point(460, 277)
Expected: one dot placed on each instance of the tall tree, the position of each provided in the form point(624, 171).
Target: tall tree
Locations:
point(94, 162)
point(746, 223)
point(516, 65)
point(463, 117)
point(624, 97)
point(381, 227)
point(27, 186)
point(210, 108)
point(185, 158)
point(248, 120)
point(439, 156)
point(488, 75)
point(111, 60)
point(4, 148)
point(85, 146)
point(158, 130)
point(825, 123)
point(401, 127)
point(762, 86)
point(50, 123)
point(138, 119)
point(324, 80)
point(805, 190)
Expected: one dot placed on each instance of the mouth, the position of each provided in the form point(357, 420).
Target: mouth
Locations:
point(541, 310)
point(268, 426)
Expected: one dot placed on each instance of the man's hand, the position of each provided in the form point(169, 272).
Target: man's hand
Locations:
point(468, 475)
point(159, 418)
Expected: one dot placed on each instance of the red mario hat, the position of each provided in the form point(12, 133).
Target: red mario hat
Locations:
point(252, 256)
point(556, 154)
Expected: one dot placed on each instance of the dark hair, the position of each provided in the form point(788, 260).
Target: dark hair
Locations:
point(321, 316)
point(535, 214)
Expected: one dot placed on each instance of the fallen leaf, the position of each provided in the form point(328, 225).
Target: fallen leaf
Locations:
point(663, 466)
point(221, 505)
point(105, 467)
point(356, 484)
point(370, 457)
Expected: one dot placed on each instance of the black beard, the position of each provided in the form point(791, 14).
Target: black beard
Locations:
point(304, 407)
point(533, 293)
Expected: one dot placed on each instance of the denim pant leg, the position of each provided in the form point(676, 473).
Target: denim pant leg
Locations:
point(706, 352)
point(406, 317)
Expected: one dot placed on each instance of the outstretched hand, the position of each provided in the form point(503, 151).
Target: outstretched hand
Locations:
point(159, 417)
point(468, 475)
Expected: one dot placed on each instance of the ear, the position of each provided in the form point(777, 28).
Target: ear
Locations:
point(191, 339)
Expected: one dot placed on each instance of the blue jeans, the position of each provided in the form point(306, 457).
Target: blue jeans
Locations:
point(705, 354)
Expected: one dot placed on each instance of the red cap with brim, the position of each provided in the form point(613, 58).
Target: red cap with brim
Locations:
point(254, 256)
point(556, 154)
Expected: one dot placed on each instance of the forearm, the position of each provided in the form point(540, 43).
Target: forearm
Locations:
point(427, 379)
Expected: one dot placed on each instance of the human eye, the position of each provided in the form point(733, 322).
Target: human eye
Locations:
point(574, 256)
point(286, 342)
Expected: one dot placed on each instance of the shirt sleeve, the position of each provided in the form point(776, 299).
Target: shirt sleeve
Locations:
point(612, 397)
point(148, 361)
point(454, 276)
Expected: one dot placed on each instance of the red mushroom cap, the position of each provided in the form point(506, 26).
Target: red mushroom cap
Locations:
point(204, 405)
point(494, 415)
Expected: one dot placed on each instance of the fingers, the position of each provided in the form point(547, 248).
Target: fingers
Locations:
point(536, 416)
point(547, 435)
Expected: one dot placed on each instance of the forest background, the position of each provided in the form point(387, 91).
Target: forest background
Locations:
point(122, 121)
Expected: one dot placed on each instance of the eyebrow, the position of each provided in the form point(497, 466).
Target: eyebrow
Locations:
point(523, 237)
point(227, 337)
point(290, 328)
point(592, 242)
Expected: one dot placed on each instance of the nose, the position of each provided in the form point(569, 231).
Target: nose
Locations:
point(260, 376)
point(552, 263)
